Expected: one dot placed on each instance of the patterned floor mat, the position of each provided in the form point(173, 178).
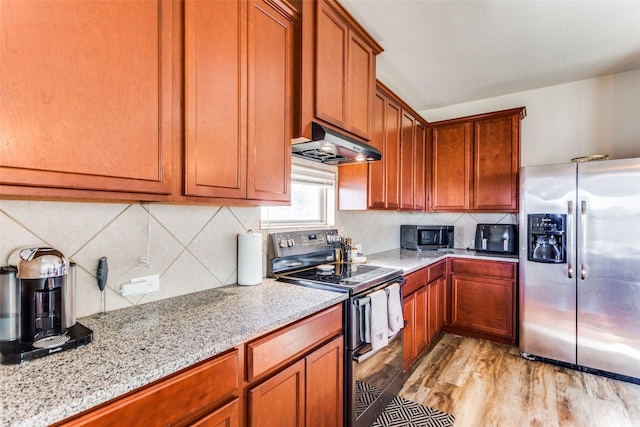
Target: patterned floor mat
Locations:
point(400, 412)
point(404, 413)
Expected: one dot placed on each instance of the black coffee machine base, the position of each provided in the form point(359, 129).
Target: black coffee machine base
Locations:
point(13, 352)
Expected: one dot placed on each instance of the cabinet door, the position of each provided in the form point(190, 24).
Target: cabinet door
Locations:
point(226, 416)
point(451, 163)
point(270, 68)
point(391, 155)
point(279, 401)
point(407, 158)
point(496, 164)
point(483, 304)
point(419, 169)
point(361, 76)
point(324, 385)
point(332, 39)
point(86, 96)
point(408, 343)
point(421, 326)
point(442, 303)
point(173, 400)
point(377, 180)
point(215, 98)
point(432, 290)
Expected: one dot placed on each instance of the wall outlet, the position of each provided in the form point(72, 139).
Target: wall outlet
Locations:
point(141, 285)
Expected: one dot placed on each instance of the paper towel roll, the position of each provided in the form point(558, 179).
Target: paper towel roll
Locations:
point(249, 258)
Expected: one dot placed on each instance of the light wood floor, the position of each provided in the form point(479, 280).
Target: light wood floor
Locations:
point(486, 384)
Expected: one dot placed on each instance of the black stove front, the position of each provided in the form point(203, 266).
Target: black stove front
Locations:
point(372, 377)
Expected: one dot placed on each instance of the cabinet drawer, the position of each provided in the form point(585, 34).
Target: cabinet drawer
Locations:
point(415, 281)
point(227, 416)
point(276, 349)
point(503, 270)
point(436, 270)
point(168, 401)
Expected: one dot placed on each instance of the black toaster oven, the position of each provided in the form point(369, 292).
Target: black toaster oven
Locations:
point(497, 238)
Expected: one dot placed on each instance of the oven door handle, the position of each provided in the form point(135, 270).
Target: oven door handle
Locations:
point(359, 358)
point(361, 302)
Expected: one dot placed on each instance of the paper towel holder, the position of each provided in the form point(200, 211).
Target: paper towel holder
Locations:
point(250, 258)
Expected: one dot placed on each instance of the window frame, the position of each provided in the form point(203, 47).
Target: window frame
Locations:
point(306, 175)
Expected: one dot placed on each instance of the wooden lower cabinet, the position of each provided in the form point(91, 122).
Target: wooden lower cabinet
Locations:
point(198, 393)
point(483, 299)
point(226, 416)
point(279, 401)
point(415, 333)
point(296, 374)
point(324, 385)
point(301, 384)
point(307, 393)
point(423, 309)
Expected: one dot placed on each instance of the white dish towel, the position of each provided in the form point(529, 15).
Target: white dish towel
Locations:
point(378, 319)
point(396, 321)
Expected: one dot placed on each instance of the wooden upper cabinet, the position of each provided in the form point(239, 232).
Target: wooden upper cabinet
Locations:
point(384, 175)
point(331, 66)
point(271, 99)
point(413, 163)
point(361, 79)
point(496, 147)
point(476, 161)
point(391, 155)
point(239, 80)
point(215, 98)
point(451, 167)
point(381, 184)
point(420, 169)
point(377, 171)
point(86, 98)
point(407, 161)
point(338, 69)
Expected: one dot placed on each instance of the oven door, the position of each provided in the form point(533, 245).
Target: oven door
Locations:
point(373, 378)
point(377, 379)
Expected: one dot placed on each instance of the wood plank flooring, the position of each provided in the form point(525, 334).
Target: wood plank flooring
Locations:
point(486, 384)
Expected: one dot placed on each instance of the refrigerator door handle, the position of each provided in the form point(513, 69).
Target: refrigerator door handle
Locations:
point(569, 239)
point(583, 243)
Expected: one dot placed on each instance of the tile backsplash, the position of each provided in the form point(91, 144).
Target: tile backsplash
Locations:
point(192, 248)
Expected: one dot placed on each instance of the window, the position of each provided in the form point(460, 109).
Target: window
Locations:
point(313, 201)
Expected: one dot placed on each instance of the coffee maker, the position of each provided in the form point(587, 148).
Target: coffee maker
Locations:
point(37, 307)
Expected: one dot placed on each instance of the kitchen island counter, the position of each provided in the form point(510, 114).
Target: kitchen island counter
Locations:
point(410, 261)
point(135, 346)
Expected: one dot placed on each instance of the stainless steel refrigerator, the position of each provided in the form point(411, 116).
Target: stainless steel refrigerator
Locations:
point(580, 265)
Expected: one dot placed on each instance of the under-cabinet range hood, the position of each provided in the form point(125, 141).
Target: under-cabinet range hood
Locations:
point(333, 148)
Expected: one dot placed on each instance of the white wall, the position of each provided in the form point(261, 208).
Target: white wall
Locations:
point(594, 116)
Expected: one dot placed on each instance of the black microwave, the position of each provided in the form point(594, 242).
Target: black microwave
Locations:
point(426, 237)
point(497, 238)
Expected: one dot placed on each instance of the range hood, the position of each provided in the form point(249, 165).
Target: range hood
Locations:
point(333, 148)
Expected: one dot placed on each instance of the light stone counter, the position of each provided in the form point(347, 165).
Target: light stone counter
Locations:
point(410, 261)
point(135, 346)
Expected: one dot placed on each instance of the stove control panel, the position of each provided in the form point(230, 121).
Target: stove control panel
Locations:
point(302, 241)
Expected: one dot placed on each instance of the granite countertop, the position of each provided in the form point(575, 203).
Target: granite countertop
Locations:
point(135, 346)
point(410, 261)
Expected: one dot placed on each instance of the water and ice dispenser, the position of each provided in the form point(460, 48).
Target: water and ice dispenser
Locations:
point(546, 238)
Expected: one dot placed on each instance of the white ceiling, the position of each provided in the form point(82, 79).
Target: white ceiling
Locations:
point(440, 53)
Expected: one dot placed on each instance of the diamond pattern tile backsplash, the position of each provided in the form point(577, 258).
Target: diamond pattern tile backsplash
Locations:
point(192, 248)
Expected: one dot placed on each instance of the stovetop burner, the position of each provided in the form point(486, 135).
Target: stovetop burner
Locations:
point(352, 278)
point(309, 257)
